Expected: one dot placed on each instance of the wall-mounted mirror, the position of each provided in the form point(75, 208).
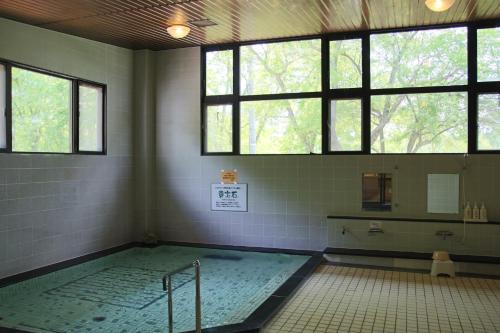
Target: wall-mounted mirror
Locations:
point(377, 191)
point(443, 193)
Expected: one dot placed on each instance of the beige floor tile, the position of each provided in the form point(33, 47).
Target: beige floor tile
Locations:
point(348, 299)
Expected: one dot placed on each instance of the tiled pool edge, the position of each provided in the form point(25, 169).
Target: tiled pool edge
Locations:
point(8, 280)
point(275, 302)
point(253, 323)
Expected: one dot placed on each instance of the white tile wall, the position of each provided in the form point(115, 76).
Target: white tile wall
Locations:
point(55, 207)
point(290, 196)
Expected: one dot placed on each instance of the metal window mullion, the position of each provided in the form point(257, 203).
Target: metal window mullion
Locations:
point(419, 90)
point(75, 116)
point(8, 107)
point(325, 86)
point(203, 110)
point(236, 101)
point(366, 90)
point(472, 96)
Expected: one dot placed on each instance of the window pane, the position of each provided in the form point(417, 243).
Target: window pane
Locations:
point(291, 126)
point(419, 58)
point(488, 54)
point(345, 125)
point(3, 105)
point(345, 63)
point(288, 67)
point(90, 118)
point(219, 72)
point(219, 129)
point(41, 112)
point(489, 122)
point(419, 123)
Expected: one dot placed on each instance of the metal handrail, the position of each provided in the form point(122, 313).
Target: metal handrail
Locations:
point(167, 286)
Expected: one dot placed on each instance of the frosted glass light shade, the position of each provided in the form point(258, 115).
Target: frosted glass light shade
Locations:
point(178, 30)
point(439, 5)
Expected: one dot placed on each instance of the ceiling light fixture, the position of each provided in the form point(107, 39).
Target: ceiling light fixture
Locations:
point(439, 5)
point(178, 30)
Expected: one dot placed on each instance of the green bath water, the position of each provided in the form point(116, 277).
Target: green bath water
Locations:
point(123, 292)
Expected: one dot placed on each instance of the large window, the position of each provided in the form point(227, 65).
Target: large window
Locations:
point(44, 112)
point(423, 91)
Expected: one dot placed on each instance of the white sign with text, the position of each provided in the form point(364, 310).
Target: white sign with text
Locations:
point(229, 197)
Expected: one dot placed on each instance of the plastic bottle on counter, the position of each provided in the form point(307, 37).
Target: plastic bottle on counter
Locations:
point(483, 213)
point(467, 211)
point(475, 212)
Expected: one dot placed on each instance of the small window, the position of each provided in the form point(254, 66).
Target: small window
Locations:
point(488, 54)
point(345, 125)
point(275, 68)
point(419, 58)
point(489, 122)
point(219, 73)
point(219, 129)
point(419, 123)
point(90, 118)
point(345, 63)
point(288, 126)
point(41, 112)
point(3, 108)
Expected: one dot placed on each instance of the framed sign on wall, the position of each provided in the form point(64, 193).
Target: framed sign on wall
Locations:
point(229, 197)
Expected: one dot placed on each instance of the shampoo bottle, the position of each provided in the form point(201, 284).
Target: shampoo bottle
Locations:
point(483, 214)
point(475, 212)
point(467, 211)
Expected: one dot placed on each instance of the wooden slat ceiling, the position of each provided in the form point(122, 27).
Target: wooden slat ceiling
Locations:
point(140, 24)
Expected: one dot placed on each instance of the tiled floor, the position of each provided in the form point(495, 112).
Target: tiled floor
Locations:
point(346, 299)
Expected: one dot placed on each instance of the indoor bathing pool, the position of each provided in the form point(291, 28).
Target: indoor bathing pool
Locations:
point(122, 292)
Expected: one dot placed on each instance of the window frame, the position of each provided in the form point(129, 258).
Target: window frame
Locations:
point(7, 115)
point(473, 88)
point(478, 88)
point(74, 111)
point(76, 118)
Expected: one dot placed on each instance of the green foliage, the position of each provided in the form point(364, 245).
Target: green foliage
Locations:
point(345, 63)
point(219, 70)
point(90, 120)
point(344, 114)
point(488, 54)
point(419, 58)
point(489, 121)
point(414, 123)
point(281, 127)
point(421, 123)
point(219, 128)
point(41, 112)
point(274, 68)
